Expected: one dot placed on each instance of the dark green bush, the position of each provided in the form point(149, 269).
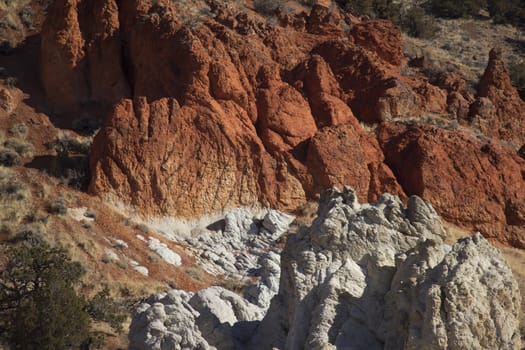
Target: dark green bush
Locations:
point(58, 207)
point(39, 308)
point(507, 11)
point(268, 7)
point(418, 24)
point(103, 308)
point(9, 157)
point(24, 149)
point(454, 8)
point(384, 9)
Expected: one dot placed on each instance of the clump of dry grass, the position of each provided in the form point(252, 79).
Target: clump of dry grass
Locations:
point(11, 11)
point(15, 201)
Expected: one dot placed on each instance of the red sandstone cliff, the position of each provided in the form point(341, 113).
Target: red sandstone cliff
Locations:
point(473, 182)
point(219, 109)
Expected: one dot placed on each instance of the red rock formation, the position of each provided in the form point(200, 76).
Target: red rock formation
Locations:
point(229, 111)
point(345, 155)
point(81, 56)
point(214, 124)
point(498, 111)
point(475, 183)
point(162, 157)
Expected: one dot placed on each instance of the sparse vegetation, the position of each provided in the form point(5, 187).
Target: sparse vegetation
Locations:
point(58, 207)
point(24, 149)
point(507, 11)
point(8, 157)
point(455, 9)
point(103, 308)
point(15, 200)
point(517, 75)
point(19, 130)
point(268, 7)
point(418, 24)
point(64, 145)
point(196, 274)
point(385, 9)
point(142, 227)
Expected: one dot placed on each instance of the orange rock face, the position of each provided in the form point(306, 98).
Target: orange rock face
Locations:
point(81, 56)
point(219, 108)
point(475, 183)
point(166, 158)
point(498, 111)
point(229, 112)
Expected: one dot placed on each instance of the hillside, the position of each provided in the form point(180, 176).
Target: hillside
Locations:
point(167, 144)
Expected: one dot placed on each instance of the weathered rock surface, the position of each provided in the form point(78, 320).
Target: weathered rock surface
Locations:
point(228, 111)
point(379, 277)
point(473, 182)
point(81, 55)
point(213, 318)
point(363, 276)
point(498, 111)
point(242, 245)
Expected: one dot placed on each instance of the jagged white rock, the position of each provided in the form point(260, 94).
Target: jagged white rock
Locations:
point(162, 250)
point(370, 276)
point(214, 318)
point(378, 276)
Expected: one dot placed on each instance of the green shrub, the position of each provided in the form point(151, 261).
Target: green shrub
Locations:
point(8, 157)
point(39, 306)
point(507, 11)
point(64, 145)
point(103, 308)
point(15, 201)
point(24, 149)
point(268, 7)
point(19, 130)
point(385, 9)
point(418, 24)
point(142, 227)
point(58, 207)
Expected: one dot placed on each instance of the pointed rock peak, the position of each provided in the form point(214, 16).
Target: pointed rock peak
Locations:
point(496, 76)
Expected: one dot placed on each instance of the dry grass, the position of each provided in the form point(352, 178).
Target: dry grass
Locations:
point(465, 44)
point(15, 201)
point(516, 260)
point(9, 12)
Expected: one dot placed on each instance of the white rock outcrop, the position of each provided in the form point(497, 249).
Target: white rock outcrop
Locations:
point(214, 318)
point(378, 276)
point(363, 276)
